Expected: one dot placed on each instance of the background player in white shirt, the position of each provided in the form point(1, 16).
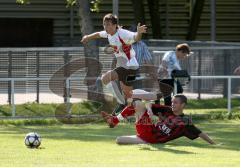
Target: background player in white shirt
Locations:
point(170, 62)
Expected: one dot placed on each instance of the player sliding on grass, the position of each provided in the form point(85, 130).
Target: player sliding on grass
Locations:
point(121, 41)
point(171, 125)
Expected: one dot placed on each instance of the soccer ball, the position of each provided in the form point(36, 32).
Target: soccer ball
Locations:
point(32, 140)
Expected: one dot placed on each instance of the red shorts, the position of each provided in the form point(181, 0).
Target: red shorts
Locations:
point(144, 129)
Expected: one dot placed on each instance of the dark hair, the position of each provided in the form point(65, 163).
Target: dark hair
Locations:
point(183, 47)
point(110, 17)
point(182, 98)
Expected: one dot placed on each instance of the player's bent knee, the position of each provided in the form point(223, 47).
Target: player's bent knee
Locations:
point(108, 77)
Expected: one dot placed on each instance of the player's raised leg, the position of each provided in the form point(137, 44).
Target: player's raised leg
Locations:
point(109, 79)
point(112, 121)
point(126, 112)
point(109, 76)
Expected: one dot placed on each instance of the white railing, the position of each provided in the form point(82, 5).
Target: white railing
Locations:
point(67, 80)
point(12, 80)
point(229, 78)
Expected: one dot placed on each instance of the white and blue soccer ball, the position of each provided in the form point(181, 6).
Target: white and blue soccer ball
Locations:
point(32, 140)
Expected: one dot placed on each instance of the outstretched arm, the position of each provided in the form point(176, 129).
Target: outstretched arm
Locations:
point(140, 30)
point(89, 37)
point(205, 137)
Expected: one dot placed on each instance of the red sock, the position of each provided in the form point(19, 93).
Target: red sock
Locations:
point(127, 111)
point(115, 120)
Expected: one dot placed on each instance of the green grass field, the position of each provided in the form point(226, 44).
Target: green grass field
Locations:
point(94, 144)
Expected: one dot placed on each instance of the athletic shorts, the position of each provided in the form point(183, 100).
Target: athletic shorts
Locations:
point(127, 76)
point(145, 128)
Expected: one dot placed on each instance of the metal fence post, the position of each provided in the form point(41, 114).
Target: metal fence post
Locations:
point(68, 96)
point(9, 76)
point(12, 98)
point(199, 85)
point(229, 95)
point(115, 7)
point(66, 73)
point(38, 74)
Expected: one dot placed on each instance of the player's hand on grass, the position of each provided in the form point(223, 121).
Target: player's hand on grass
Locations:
point(218, 144)
point(141, 29)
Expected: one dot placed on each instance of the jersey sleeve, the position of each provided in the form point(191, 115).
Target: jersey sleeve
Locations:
point(175, 62)
point(127, 36)
point(160, 109)
point(166, 56)
point(103, 34)
point(192, 132)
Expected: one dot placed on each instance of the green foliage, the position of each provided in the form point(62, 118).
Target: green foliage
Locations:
point(71, 2)
point(94, 3)
point(85, 112)
point(23, 1)
point(23, 122)
point(211, 103)
point(49, 110)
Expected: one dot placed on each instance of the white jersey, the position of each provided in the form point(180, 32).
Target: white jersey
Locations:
point(172, 62)
point(122, 42)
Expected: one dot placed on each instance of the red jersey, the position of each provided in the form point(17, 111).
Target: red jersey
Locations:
point(168, 127)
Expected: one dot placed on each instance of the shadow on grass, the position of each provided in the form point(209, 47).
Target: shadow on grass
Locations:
point(87, 132)
point(226, 133)
point(162, 147)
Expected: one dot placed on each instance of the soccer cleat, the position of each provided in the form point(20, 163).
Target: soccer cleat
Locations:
point(109, 119)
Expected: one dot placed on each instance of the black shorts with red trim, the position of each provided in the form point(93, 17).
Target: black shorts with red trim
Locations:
point(127, 76)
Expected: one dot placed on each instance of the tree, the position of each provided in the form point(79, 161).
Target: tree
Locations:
point(153, 6)
point(195, 20)
point(91, 49)
point(138, 9)
point(139, 15)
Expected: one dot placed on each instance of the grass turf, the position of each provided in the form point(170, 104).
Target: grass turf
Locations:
point(94, 145)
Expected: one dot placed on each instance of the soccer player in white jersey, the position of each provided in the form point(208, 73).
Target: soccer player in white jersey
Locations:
point(121, 41)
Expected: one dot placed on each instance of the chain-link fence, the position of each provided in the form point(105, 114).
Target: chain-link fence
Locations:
point(209, 59)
